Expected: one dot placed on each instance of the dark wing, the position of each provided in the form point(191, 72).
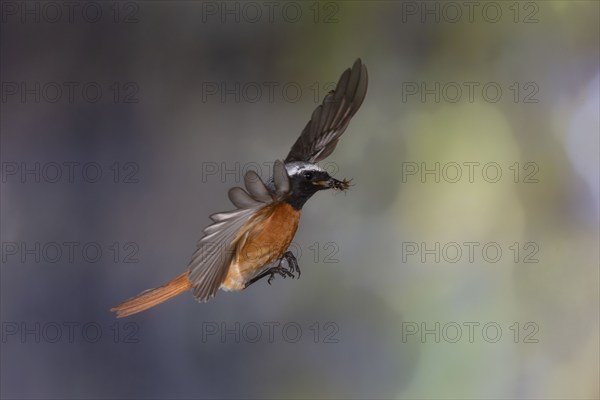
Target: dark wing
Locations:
point(215, 251)
point(330, 119)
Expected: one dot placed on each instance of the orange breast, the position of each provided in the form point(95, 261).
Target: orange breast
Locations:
point(263, 240)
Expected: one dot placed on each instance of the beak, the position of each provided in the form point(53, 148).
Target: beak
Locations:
point(332, 183)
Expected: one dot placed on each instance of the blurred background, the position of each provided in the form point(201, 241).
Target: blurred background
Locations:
point(462, 264)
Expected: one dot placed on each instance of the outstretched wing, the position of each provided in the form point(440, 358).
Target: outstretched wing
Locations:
point(330, 119)
point(215, 251)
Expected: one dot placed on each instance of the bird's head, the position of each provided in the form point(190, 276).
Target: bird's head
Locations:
point(307, 179)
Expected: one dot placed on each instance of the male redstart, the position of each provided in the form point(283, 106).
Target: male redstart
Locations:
point(251, 242)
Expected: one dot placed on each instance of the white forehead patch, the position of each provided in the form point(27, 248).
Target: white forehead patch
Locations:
point(297, 167)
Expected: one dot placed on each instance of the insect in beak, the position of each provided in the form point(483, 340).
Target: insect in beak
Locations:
point(335, 184)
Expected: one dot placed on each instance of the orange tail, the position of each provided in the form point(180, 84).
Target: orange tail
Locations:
point(152, 297)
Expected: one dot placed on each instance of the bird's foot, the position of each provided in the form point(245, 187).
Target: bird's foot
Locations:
point(292, 266)
point(292, 262)
point(284, 272)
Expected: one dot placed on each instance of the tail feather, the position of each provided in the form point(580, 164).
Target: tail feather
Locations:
point(152, 297)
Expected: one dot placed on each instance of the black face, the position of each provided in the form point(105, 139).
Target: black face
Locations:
point(308, 182)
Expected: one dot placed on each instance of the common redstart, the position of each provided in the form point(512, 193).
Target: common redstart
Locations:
point(251, 242)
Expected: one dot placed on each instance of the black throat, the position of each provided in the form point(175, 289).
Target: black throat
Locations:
point(297, 200)
point(300, 192)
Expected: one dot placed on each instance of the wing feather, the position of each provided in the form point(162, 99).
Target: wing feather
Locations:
point(256, 187)
point(281, 179)
point(241, 199)
point(215, 250)
point(329, 121)
point(210, 262)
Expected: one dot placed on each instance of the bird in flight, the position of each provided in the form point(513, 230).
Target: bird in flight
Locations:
point(251, 242)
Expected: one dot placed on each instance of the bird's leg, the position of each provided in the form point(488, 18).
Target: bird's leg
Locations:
point(271, 274)
point(289, 257)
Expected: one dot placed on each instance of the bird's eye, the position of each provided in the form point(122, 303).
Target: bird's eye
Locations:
point(308, 175)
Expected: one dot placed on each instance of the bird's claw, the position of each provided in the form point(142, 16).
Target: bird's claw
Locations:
point(292, 266)
point(281, 271)
point(291, 262)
